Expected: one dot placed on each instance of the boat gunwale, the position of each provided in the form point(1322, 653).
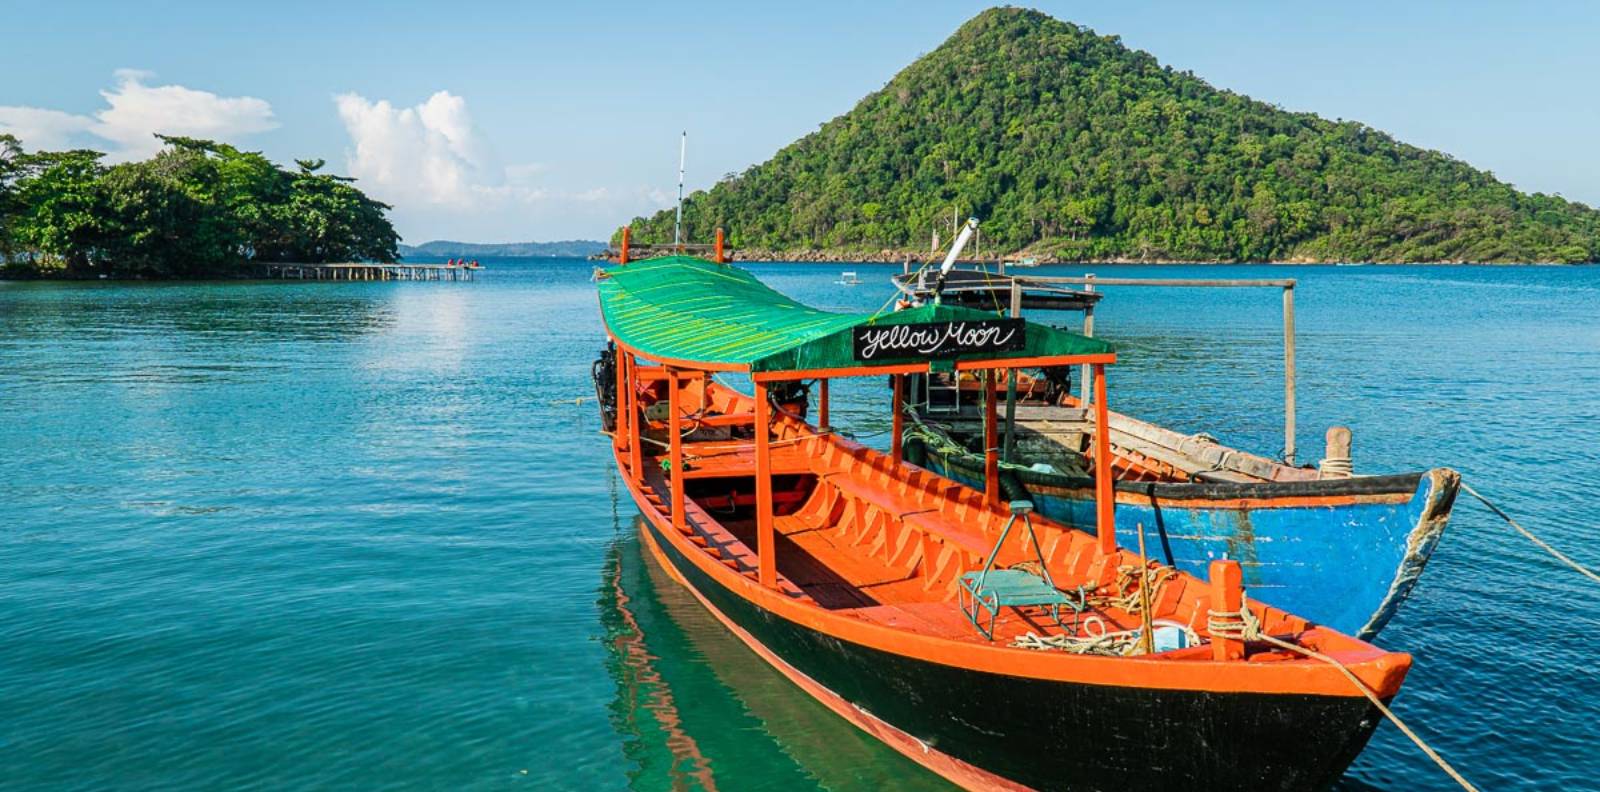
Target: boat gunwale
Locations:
point(1387, 487)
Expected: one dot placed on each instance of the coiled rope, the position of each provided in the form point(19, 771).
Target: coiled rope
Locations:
point(1583, 570)
point(1246, 626)
point(1125, 595)
point(1119, 643)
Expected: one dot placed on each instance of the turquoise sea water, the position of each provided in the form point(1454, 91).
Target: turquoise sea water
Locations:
point(286, 535)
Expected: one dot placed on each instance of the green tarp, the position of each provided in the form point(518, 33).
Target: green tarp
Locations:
point(696, 311)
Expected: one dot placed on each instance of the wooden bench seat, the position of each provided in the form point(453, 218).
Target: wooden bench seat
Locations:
point(893, 504)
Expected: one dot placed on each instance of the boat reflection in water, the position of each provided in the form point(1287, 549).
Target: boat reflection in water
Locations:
point(697, 709)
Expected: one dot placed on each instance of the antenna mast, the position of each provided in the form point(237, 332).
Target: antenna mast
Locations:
point(677, 225)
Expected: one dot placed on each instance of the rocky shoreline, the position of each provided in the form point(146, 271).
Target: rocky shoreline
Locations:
point(923, 257)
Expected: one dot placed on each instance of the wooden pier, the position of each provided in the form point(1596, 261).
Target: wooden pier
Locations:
point(368, 272)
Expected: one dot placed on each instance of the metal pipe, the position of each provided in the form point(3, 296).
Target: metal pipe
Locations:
point(950, 258)
point(960, 243)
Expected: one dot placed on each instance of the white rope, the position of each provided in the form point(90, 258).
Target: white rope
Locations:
point(1583, 570)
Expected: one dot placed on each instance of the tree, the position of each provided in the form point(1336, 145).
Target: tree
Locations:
point(10, 201)
point(328, 219)
point(196, 209)
point(61, 208)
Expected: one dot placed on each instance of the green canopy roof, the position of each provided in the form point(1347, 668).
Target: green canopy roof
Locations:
point(694, 311)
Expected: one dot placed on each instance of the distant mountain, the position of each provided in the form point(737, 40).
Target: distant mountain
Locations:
point(1068, 145)
point(575, 248)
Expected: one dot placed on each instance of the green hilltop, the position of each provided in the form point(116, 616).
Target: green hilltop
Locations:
point(1068, 145)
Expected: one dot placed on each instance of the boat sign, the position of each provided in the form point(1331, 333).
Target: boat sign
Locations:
point(938, 339)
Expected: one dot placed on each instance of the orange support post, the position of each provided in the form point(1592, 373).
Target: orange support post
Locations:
point(822, 405)
point(766, 560)
point(1227, 596)
point(623, 258)
point(991, 440)
point(675, 445)
point(897, 449)
point(619, 430)
point(1105, 503)
point(717, 256)
point(635, 430)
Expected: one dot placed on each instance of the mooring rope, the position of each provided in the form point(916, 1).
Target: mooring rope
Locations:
point(1246, 626)
point(1583, 570)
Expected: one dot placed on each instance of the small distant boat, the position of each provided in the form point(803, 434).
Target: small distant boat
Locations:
point(1025, 263)
point(848, 278)
point(996, 648)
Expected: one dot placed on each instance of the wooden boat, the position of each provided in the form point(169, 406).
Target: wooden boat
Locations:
point(859, 575)
point(1341, 550)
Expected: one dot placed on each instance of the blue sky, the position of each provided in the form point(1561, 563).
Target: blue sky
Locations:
point(516, 121)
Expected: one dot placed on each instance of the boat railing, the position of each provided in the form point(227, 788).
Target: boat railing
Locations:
point(627, 250)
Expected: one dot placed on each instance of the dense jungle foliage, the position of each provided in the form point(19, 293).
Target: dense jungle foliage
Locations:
point(1068, 145)
point(197, 209)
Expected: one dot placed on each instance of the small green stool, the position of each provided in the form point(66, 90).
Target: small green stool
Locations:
point(988, 590)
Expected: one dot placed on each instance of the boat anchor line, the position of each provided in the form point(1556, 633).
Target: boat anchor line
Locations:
point(1243, 625)
point(1583, 570)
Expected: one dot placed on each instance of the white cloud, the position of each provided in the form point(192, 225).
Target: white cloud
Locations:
point(428, 154)
point(135, 113)
point(138, 111)
point(39, 129)
point(433, 164)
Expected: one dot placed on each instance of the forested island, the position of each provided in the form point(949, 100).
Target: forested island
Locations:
point(1070, 146)
point(197, 209)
